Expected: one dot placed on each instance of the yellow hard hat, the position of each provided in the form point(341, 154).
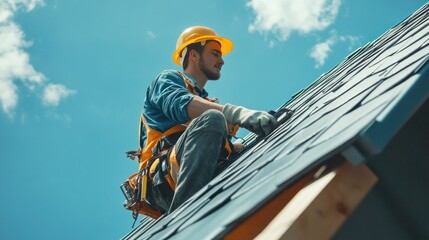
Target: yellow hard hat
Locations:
point(198, 34)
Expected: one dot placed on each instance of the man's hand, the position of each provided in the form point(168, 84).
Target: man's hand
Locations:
point(238, 147)
point(259, 122)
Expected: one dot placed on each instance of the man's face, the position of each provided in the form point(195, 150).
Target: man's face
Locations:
point(211, 60)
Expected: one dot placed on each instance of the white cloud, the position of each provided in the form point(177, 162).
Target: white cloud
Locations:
point(321, 50)
point(8, 96)
point(53, 93)
point(282, 17)
point(14, 60)
point(9, 7)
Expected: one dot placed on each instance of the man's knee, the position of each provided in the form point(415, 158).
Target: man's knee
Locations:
point(215, 116)
point(215, 120)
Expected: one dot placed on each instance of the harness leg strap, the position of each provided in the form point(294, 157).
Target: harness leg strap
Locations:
point(174, 168)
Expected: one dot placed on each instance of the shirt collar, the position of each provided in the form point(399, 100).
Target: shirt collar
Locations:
point(203, 93)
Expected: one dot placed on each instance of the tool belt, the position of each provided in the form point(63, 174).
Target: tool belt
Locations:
point(135, 190)
point(158, 170)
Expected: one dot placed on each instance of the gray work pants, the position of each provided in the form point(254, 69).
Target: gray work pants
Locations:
point(197, 151)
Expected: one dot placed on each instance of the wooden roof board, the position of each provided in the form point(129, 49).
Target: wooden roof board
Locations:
point(359, 104)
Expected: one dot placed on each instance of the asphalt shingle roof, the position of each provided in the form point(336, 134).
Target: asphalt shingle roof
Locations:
point(352, 111)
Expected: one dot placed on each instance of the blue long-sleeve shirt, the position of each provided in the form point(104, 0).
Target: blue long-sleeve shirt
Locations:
point(166, 102)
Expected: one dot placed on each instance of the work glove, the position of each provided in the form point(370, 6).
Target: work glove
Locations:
point(259, 122)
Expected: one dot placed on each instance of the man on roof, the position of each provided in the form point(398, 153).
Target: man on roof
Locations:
point(184, 133)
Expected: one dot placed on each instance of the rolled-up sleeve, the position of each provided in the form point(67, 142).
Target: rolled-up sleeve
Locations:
point(169, 94)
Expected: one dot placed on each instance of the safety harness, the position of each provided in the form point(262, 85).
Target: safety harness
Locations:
point(158, 156)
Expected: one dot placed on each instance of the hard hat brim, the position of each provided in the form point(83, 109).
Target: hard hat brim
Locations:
point(225, 43)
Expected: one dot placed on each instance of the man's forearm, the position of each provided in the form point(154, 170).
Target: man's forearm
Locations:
point(199, 105)
point(259, 122)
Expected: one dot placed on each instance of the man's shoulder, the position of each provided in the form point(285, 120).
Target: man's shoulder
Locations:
point(167, 78)
point(171, 74)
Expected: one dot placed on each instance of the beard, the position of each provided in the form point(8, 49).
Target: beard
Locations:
point(211, 75)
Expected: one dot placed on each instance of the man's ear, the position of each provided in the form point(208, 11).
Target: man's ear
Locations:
point(194, 55)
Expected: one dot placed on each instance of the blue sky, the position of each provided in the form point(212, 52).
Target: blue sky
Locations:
point(73, 76)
